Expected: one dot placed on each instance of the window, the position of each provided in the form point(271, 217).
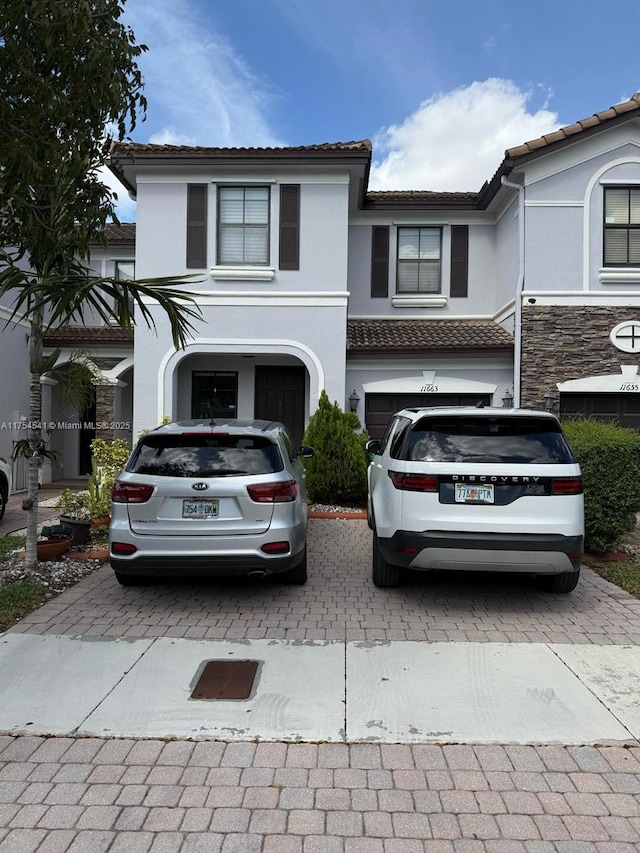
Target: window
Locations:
point(418, 260)
point(126, 271)
point(488, 440)
point(214, 455)
point(621, 227)
point(243, 225)
point(214, 394)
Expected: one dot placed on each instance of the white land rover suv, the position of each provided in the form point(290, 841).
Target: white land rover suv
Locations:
point(476, 489)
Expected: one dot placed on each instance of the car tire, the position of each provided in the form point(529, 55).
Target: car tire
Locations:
point(383, 573)
point(129, 580)
point(3, 504)
point(297, 575)
point(565, 582)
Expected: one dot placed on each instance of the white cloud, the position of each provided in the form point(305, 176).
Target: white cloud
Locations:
point(170, 136)
point(457, 140)
point(125, 207)
point(195, 80)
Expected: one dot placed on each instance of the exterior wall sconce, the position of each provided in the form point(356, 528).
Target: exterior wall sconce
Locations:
point(353, 401)
point(550, 401)
point(507, 400)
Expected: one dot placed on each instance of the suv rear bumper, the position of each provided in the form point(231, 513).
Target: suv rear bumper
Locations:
point(547, 554)
point(201, 565)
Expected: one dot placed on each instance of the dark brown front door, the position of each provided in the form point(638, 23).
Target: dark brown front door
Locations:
point(379, 408)
point(87, 434)
point(280, 397)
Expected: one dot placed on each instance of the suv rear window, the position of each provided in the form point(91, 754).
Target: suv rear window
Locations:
point(488, 440)
point(189, 455)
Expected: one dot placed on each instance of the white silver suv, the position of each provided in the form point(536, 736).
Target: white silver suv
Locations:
point(476, 489)
point(221, 497)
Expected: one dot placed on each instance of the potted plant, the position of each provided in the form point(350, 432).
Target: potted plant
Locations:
point(75, 515)
point(52, 548)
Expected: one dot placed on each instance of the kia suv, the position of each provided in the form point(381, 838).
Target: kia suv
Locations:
point(476, 489)
point(211, 497)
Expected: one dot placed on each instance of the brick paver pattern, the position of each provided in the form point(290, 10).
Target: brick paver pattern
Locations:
point(68, 795)
point(339, 602)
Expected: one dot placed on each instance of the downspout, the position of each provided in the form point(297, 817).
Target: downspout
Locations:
point(517, 348)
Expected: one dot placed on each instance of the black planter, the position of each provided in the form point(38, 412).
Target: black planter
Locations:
point(76, 529)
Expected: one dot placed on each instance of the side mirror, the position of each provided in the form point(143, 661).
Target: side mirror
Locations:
point(373, 446)
point(306, 452)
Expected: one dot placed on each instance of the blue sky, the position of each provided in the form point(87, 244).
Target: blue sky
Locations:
point(441, 87)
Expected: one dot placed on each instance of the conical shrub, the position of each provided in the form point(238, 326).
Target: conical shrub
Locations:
point(338, 471)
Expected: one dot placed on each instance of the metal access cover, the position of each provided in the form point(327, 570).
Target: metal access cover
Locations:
point(225, 679)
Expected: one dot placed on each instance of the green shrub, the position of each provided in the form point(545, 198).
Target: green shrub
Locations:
point(338, 471)
point(609, 456)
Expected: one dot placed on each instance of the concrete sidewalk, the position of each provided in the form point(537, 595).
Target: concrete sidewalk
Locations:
point(399, 692)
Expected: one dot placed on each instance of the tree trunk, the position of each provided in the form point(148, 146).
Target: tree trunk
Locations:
point(35, 436)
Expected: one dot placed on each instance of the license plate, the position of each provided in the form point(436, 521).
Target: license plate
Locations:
point(469, 494)
point(199, 509)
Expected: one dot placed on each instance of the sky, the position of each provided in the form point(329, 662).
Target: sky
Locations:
point(440, 87)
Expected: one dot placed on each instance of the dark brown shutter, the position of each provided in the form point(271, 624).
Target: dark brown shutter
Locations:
point(380, 261)
point(196, 226)
point(459, 260)
point(289, 254)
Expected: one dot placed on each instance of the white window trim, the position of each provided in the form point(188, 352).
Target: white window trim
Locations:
point(240, 273)
point(418, 301)
point(619, 275)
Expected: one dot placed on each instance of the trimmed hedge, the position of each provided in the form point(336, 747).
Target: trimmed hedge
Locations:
point(609, 456)
point(338, 471)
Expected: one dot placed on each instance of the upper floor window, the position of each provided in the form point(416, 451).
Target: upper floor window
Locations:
point(126, 271)
point(621, 226)
point(419, 260)
point(243, 225)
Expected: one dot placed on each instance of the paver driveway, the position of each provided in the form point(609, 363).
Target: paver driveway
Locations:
point(340, 602)
point(95, 795)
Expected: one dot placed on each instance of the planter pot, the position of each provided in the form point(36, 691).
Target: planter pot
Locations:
point(77, 529)
point(51, 549)
point(101, 521)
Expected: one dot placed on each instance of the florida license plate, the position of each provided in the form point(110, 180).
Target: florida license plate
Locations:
point(466, 493)
point(199, 509)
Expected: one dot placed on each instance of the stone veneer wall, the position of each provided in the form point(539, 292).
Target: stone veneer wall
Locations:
point(561, 342)
point(105, 401)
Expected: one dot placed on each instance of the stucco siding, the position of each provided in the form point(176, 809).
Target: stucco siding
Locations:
point(481, 285)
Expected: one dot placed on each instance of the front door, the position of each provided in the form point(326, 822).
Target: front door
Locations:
point(280, 397)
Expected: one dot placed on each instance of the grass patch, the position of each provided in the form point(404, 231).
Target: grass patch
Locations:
point(18, 599)
point(625, 574)
point(9, 544)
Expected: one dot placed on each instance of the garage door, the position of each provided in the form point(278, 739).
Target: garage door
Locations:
point(379, 408)
point(623, 408)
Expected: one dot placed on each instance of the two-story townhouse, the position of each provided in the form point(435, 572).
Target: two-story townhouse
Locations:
point(526, 291)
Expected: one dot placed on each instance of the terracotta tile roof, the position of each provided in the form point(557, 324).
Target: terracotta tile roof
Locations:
point(570, 130)
point(88, 335)
point(128, 148)
point(421, 197)
point(123, 234)
point(367, 335)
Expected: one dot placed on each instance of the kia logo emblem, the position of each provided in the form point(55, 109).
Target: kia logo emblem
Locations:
point(200, 487)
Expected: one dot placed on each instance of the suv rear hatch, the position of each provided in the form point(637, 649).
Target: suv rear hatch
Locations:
point(487, 473)
point(201, 484)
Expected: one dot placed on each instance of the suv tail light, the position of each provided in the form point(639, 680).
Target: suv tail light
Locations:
point(279, 492)
point(414, 482)
point(130, 493)
point(567, 486)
